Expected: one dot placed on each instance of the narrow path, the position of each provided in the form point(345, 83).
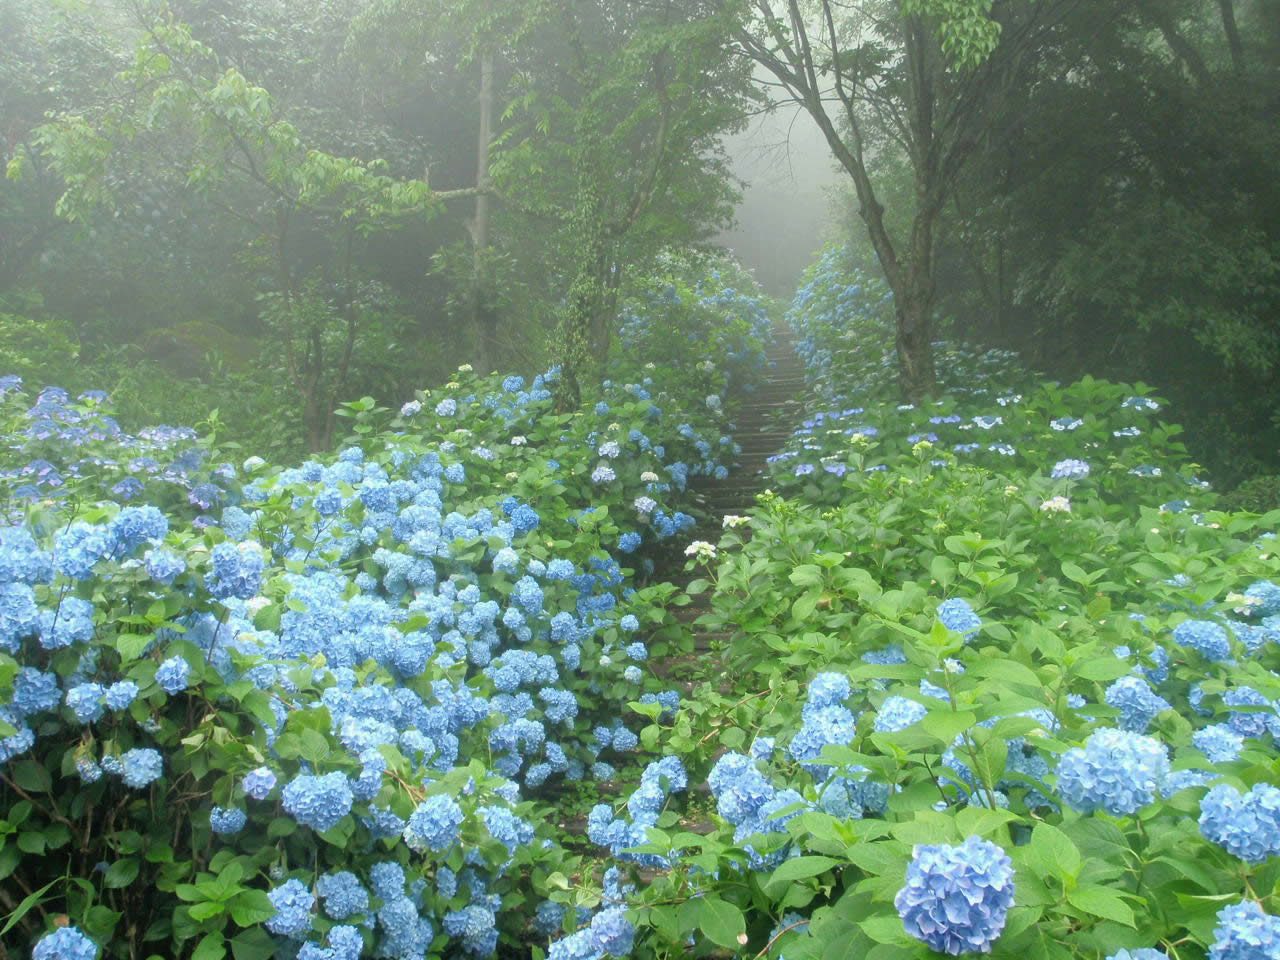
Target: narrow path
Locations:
point(765, 420)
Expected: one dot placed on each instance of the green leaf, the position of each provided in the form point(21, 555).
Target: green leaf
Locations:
point(29, 901)
point(801, 868)
point(1102, 669)
point(132, 645)
point(1101, 902)
point(722, 922)
point(32, 777)
point(206, 910)
point(212, 947)
point(878, 858)
point(1053, 853)
point(885, 929)
point(1075, 573)
point(251, 908)
point(121, 873)
point(945, 725)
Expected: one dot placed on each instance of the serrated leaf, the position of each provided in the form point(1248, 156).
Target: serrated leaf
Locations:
point(251, 908)
point(1101, 902)
point(205, 910)
point(799, 868)
point(945, 725)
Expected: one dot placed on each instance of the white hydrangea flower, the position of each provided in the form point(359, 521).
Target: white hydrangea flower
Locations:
point(701, 549)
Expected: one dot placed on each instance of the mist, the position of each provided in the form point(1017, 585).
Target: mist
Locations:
point(788, 204)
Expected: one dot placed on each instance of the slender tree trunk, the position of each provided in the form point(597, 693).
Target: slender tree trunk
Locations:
point(484, 319)
point(587, 294)
point(1228, 12)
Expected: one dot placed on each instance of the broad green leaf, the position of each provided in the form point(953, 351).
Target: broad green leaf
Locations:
point(1102, 902)
point(799, 868)
point(722, 922)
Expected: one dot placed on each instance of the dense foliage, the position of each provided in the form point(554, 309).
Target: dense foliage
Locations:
point(227, 691)
point(996, 678)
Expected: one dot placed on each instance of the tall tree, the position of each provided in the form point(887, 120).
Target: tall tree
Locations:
point(920, 79)
point(182, 113)
point(615, 149)
point(1124, 222)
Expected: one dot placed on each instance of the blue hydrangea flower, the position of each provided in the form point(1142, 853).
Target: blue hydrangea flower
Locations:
point(293, 903)
point(259, 783)
point(1245, 932)
point(434, 824)
point(134, 526)
point(1218, 742)
point(828, 689)
point(1204, 636)
point(71, 623)
point(34, 691)
point(173, 675)
point(141, 766)
point(318, 802)
point(65, 943)
point(1115, 771)
point(1251, 723)
point(227, 820)
point(898, 713)
point(1070, 470)
point(85, 701)
point(611, 933)
point(1137, 702)
point(1141, 953)
point(956, 898)
point(548, 918)
point(19, 616)
point(474, 925)
point(343, 895)
point(120, 695)
point(236, 570)
point(956, 615)
point(345, 943)
point(1246, 826)
point(1264, 597)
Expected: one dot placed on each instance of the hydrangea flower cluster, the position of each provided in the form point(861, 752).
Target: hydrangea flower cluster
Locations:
point(752, 805)
point(826, 721)
point(956, 615)
point(956, 898)
point(1245, 932)
point(1245, 825)
point(1116, 771)
point(660, 779)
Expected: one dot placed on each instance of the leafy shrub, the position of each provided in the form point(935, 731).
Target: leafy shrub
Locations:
point(1044, 681)
point(320, 710)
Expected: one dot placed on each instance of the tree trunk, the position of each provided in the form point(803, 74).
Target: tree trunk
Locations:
point(1228, 12)
point(484, 320)
point(579, 323)
point(912, 310)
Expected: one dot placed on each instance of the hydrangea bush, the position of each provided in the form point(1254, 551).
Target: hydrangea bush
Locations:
point(323, 710)
point(1021, 703)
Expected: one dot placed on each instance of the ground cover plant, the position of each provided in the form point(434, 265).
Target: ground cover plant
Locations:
point(259, 711)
